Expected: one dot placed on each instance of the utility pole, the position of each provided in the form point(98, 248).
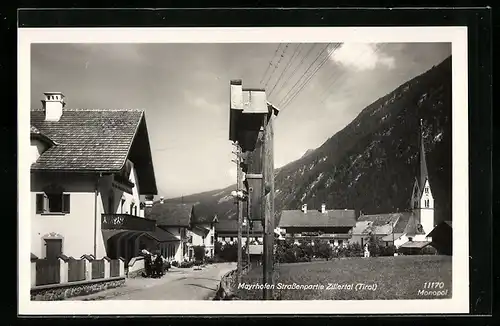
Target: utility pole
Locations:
point(268, 193)
point(239, 187)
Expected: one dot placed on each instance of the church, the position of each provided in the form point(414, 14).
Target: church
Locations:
point(406, 230)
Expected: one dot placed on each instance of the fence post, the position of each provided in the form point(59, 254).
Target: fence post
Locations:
point(33, 270)
point(122, 266)
point(88, 267)
point(63, 268)
point(107, 267)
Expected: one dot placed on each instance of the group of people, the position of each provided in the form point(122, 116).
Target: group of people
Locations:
point(154, 264)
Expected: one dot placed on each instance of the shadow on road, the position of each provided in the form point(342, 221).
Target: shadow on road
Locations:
point(202, 286)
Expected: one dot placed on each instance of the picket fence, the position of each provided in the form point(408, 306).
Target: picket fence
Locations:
point(68, 269)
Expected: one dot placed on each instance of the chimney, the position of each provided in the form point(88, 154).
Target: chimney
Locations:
point(323, 208)
point(53, 105)
point(304, 208)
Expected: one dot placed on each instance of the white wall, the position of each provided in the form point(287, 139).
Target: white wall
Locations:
point(76, 228)
point(427, 213)
point(198, 238)
point(36, 149)
point(176, 231)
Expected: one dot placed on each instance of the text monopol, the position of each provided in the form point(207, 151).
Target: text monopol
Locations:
point(295, 286)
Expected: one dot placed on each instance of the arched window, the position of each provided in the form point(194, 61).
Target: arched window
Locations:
point(427, 203)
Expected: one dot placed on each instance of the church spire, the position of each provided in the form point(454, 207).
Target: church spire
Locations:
point(424, 174)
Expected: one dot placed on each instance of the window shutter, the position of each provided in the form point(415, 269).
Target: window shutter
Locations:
point(40, 200)
point(66, 203)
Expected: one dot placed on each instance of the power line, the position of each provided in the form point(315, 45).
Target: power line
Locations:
point(277, 64)
point(295, 70)
point(270, 63)
point(335, 80)
point(286, 68)
point(285, 98)
point(290, 99)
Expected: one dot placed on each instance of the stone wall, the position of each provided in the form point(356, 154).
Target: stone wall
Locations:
point(227, 285)
point(67, 290)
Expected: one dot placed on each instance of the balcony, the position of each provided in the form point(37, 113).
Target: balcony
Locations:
point(126, 222)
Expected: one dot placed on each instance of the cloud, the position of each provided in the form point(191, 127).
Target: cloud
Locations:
point(201, 102)
point(361, 56)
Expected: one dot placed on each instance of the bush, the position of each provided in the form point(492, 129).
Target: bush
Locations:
point(186, 264)
point(199, 252)
point(198, 262)
point(429, 250)
point(209, 260)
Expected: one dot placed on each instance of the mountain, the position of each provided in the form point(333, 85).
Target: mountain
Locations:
point(371, 164)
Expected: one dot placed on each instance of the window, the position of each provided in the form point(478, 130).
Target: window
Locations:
point(203, 239)
point(212, 239)
point(135, 210)
point(52, 202)
point(426, 190)
point(132, 208)
point(427, 203)
point(231, 239)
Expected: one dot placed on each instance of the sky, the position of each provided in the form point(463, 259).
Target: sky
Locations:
point(184, 90)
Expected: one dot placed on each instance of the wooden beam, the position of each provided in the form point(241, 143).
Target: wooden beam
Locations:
point(268, 202)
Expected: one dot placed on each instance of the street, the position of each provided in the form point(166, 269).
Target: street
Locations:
point(177, 284)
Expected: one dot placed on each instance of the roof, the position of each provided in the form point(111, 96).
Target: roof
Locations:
point(35, 133)
point(314, 218)
point(162, 235)
point(382, 223)
point(389, 237)
point(98, 140)
point(202, 213)
point(412, 227)
point(231, 226)
point(170, 214)
point(415, 244)
point(440, 226)
point(424, 173)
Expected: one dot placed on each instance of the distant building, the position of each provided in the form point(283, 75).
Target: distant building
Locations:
point(176, 219)
point(227, 232)
point(442, 238)
point(330, 225)
point(88, 171)
point(202, 229)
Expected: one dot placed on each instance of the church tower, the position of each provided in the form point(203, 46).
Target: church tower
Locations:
point(422, 199)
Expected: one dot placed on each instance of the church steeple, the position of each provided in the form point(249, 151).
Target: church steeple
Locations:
point(424, 174)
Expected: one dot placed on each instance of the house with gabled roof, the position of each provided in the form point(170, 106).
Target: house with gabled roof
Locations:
point(176, 219)
point(202, 229)
point(333, 225)
point(89, 169)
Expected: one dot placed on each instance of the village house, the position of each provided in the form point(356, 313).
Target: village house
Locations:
point(442, 238)
point(407, 230)
point(89, 169)
point(202, 230)
point(176, 219)
point(330, 225)
point(393, 228)
point(227, 232)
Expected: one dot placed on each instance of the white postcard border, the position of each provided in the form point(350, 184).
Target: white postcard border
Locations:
point(459, 303)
